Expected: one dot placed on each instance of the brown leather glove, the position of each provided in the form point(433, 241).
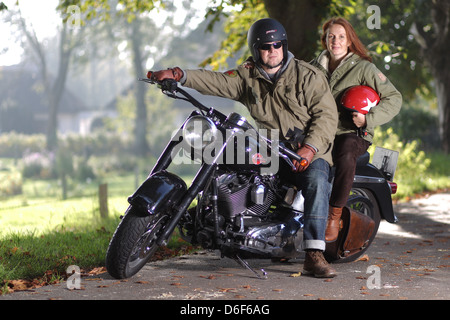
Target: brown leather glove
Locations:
point(306, 152)
point(171, 73)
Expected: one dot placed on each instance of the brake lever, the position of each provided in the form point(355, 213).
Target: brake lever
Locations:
point(288, 160)
point(167, 85)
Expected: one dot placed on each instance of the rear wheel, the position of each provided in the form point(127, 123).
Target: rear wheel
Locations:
point(363, 201)
point(134, 243)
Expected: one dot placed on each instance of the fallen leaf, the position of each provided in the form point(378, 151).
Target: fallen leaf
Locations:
point(363, 258)
point(19, 285)
point(175, 284)
point(226, 289)
point(210, 277)
point(96, 271)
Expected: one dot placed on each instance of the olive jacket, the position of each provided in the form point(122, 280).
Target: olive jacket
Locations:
point(299, 99)
point(353, 71)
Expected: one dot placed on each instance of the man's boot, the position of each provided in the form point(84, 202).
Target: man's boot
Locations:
point(315, 264)
point(333, 224)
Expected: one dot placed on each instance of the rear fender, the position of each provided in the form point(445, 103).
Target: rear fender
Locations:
point(369, 177)
point(159, 192)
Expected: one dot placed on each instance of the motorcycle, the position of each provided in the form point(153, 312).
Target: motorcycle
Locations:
point(236, 203)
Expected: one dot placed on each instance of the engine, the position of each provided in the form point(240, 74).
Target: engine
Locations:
point(240, 195)
point(251, 219)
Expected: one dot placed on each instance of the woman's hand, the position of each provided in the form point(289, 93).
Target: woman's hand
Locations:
point(359, 119)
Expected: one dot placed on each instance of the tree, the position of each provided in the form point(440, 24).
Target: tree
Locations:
point(69, 39)
point(405, 26)
point(134, 26)
point(427, 22)
point(301, 19)
point(431, 29)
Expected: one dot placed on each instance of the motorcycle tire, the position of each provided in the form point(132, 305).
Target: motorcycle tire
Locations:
point(362, 201)
point(134, 242)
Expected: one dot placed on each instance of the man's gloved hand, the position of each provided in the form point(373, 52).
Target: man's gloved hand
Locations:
point(306, 152)
point(171, 73)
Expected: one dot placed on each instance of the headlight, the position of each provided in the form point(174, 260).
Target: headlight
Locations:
point(199, 132)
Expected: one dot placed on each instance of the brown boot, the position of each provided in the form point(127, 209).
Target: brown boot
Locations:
point(334, 219)
point(315, 264)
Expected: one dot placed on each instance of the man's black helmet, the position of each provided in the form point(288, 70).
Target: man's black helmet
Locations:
point(266, 30)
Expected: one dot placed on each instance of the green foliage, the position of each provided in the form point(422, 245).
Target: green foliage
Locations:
point(10, 179)
point(239, 17)
point(14, 145)
point(412, 167)
point(394, 47)
point(418, 120)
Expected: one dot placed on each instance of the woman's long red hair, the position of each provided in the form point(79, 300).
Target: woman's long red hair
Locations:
point(356, 47)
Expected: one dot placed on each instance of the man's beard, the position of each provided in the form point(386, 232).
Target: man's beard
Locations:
point(268, 65)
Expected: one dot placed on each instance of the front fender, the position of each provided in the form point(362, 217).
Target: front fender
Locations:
point(160, 191)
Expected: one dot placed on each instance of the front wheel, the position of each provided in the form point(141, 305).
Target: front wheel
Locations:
point(134, 243)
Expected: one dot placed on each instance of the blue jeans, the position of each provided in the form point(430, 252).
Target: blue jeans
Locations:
point(316, 187)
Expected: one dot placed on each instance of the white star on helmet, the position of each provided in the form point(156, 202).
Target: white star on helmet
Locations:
point(370, 105)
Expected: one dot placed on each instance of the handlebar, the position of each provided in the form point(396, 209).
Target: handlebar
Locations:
point(171, 85)
point(293, 155)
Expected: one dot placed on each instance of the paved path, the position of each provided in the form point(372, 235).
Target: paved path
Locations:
point(409, 260)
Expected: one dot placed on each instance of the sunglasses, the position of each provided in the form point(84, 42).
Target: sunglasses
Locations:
point(267, 46)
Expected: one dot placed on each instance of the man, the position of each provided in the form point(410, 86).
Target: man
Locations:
point(293, 97)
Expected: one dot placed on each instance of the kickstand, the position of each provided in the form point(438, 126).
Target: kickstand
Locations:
point(245, 264)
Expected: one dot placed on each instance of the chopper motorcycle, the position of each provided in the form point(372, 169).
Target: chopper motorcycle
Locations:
point(243, 208)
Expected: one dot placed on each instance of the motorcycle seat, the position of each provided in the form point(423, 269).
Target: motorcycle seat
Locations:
point(363, 159)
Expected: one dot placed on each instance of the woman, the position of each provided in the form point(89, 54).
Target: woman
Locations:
point(346, 64)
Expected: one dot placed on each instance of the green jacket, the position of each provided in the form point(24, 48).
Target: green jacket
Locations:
point(299, 99)
point(353, 71)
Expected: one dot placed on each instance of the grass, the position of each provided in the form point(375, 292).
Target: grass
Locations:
point(29, 255)
point(41, 234)
point(435, 178)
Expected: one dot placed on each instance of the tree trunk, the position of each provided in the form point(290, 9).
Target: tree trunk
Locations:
point(436, 47)
point(301, 19)
point(141, 144)
point(55, 91)
point(443, 98)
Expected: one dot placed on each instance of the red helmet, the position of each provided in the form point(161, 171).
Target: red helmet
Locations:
point(360, 99)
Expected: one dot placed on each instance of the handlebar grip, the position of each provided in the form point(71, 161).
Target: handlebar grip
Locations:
point(293, 155)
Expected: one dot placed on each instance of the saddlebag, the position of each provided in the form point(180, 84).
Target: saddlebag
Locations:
point(356, 230)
